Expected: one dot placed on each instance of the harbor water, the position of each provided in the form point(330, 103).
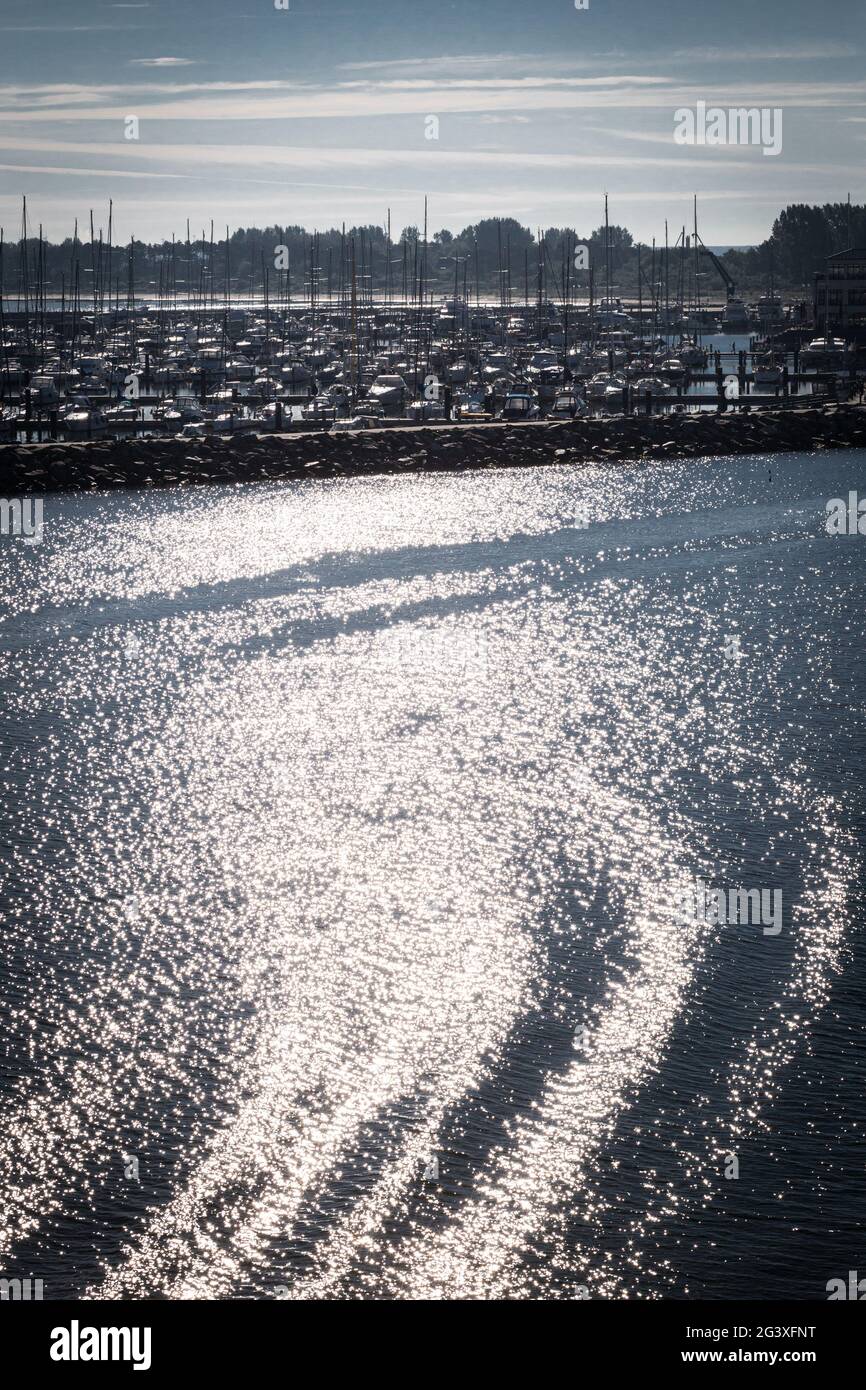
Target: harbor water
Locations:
point(357, 842)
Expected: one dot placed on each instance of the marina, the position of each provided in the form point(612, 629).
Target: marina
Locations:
point(351, 354)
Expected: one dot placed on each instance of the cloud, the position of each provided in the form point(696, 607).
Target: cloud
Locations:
point(354, 101)
point(527, 63)
point(796, 53)
point(99, 173)
point(50, 95)
point(427, 159)
point(476, 64)
point(161, 62)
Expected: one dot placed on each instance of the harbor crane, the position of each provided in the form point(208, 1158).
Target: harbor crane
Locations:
point(723, 272)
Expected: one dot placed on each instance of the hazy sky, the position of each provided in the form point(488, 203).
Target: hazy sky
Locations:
point(318, 114)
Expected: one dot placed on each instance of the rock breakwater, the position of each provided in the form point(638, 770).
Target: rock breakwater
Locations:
point(102, 464)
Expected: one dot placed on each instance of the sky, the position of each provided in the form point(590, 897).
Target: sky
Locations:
point(331, 111)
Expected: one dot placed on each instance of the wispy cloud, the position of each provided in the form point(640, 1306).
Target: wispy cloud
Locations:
point(357, 100)
point(69, 93)
point(477, 64)
point(739, 53)
point(161, 62)
point(431, 159)
point(99, 173)
point(432, 64)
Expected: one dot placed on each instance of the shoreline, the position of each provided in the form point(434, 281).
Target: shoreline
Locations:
point(36, 469)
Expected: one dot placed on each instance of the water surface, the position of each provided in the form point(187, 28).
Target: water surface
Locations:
point(344, 829)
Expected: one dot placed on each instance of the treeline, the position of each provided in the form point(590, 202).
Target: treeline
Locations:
point(802, 238)
point(496, 256)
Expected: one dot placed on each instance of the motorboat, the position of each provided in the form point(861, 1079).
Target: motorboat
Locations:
point(650, 386)
point(611, 314)
point(473, 409)
point(322, 407)
point(691, 355)
point(598, 386)
point(43, 392)
point(825, 354)
point(295, 377)
point(195, 429)
point(240, 368)
point(766, 372)
point(121, 414)
point(770, 311)
point(545, 374)
point(390, 391)
point(459, 372)
point(270, 414)
point(519, 405)
point(497, 364)
point(350, 425)
point(83, 421)
point(567, 406)
point(183, 408)
point(420, 410)
point(80, 417)
point(579, 361)
point(232, 422)
point(736, 317)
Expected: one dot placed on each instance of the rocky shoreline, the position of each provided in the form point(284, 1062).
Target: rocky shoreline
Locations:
point(31, 469)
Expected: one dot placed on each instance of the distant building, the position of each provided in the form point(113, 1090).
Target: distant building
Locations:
point(840, 294)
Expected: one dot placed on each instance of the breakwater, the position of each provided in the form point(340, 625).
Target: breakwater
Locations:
point(102, 464)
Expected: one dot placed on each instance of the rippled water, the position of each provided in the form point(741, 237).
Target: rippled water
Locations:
point(345, 827)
